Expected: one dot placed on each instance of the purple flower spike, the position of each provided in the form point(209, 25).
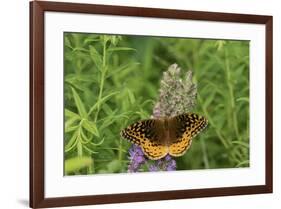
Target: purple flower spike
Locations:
point(136, 158)
point(165, 164)
point(177, 95)
point(168, 157)
point(153, 168)
point(171, 165)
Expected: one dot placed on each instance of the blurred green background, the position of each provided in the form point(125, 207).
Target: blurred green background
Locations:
point(112, 81)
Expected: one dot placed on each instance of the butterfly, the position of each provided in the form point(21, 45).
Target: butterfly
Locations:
point(168, 135)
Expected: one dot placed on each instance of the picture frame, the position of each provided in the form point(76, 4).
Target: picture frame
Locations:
point(39, 112)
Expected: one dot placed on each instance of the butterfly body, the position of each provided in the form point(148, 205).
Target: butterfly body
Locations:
point(162, 136)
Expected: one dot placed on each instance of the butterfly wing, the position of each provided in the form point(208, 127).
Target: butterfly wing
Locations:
point(146, 134)
point(186, 127)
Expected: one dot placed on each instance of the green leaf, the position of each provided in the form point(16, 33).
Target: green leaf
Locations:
point(85, 139)
point(121, 49)
point(80, 87)
point(115, 39)
point(91, 127)
point(99, 143)
point(102, 100)
point(107, 121)
point(79, 104)
point(72, 142)
point(89, 40)
point(69, 122)
point(79, 49)
point(244, 163)
point(244, 99)
point(244, 144)
point(77, 163)
point(96, 57)
point(67, 42)
point(121, 68)
point(131, 96)
point(69, 113)
point(142, 114)
point(71, 78)
point(215, 87)
point(89, 150)
point(148, 101)
point(71, 128)
point(107, 109)
point(209, 99)
point(106, 38)
point(220, 44)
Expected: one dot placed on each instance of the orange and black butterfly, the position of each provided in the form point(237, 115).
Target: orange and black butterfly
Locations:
point(162, 136)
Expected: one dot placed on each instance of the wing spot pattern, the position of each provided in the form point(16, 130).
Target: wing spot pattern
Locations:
point(143, 133)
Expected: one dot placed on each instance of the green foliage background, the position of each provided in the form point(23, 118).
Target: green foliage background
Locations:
point(112, 81)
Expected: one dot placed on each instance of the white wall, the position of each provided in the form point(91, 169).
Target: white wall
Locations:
point(14, 102)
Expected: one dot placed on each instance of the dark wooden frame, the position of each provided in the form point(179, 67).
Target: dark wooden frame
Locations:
point(37, 9)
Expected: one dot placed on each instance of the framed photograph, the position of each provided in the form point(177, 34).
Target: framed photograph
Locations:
point(139, 104)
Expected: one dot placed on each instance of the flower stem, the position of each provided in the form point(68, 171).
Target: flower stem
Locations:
point(231, 95)
point(205, 154)
point(103, 75)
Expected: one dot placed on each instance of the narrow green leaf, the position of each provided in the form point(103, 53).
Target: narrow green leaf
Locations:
point(80, 87)
point(70, 114)
point(209, 99)
point(244, 99)
point(99, 143)
point(106, 38)
point(96, 57)
point(244, 163)
point(142, 114)
point(77, 163)
point(84, 138)
point(89, 40)
point(121, 68)
point(220, 44)
point(131, 96)
point(79, 104)
point(147, 102)
point(69, 122)
point(90, 151)
point(107, 121)
point(71, 128)
point(80, 49)
point(215, 87)
point(121, 49)
point(71, 78)
point(241, 143)
point(91, 127)
point(107, 109)
point(102, 100)
point(114, 40)
point(93, 146)
point(67, 42)
point(71, 143)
